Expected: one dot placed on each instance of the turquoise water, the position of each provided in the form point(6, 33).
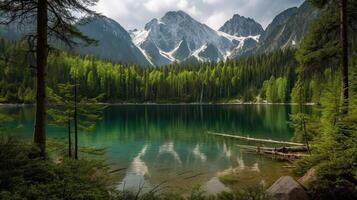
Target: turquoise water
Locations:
point(169, 144)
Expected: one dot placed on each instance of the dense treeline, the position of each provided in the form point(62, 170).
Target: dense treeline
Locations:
point(206, 82)
point(327, 58)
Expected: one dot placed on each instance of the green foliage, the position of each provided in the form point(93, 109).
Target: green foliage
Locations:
point(16, 78)
point(70, 108)
point(205, 82)
point(229, 179)
point(62, 112)
point(334, 152)
point(334, 138)
point(25, 175)
point(321, 47)
point(88, 109)
point(276, 90)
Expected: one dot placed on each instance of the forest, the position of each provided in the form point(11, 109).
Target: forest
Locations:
point(253, 79)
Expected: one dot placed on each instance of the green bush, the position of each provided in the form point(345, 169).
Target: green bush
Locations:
point(23, 175)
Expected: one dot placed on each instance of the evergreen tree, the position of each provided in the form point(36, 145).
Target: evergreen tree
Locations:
point(71, 108)
point(62, 112)
point(55, 18)
point(326, 45)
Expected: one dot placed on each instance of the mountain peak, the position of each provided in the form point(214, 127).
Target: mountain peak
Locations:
point(242, 26)
point(151, 23)
point(176, 15)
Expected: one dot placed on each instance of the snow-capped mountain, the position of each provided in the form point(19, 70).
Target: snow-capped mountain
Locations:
point(242, 26)
point(178, 37)
point(114, 42)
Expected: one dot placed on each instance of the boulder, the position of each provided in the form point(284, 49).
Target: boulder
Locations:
point(308, 178)
point(286, 188)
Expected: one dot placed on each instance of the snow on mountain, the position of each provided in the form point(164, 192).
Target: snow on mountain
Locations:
point(177, 36)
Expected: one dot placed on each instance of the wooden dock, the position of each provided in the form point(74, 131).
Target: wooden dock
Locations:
point(256, 139)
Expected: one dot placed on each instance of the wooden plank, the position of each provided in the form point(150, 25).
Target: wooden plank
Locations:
point(256, 139)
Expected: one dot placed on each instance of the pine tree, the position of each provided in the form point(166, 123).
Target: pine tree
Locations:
point(55, 18)
point(61, 114)
point(71, 108)
point(326, 45)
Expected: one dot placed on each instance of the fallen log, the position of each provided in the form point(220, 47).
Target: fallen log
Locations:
point(117, 170)
point(256, 139)
point(289, 155)
point(278, 149)
point(277, 152)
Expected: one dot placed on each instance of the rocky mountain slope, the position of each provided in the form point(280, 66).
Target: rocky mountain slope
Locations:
point(285, 31)
point(242, 26)
point(177, 37)
point(114, 42)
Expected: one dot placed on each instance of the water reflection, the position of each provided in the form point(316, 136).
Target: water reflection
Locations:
point(226, 151)
point(170, 143)
point(135, 175)
point(168, 148)
point(197, 152)
point(138, 166)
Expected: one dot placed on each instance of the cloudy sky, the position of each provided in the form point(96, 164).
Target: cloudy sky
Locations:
point(136, 13)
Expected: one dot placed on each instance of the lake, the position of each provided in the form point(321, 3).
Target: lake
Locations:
point(169, 144)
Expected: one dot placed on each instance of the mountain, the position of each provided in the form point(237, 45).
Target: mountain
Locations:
point(279, 20)
point(288, 28)
point(114, 42)
point(285, 31)
point(16, 30)
point(242, 26)
point(177, 37)
point(210, 53)
point(13, 31)
point(183, 51)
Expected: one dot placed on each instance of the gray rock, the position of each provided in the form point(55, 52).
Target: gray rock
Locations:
point(308, 178)
point(286, 188)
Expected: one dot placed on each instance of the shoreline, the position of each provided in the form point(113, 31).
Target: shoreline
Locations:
point(167, 104)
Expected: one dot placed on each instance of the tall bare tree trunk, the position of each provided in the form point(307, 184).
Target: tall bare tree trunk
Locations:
point(75, 120)
point(69, 139)
point(39, 136)
point(344, 52)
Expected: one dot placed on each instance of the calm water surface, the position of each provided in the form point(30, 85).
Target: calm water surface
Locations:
point(169, 143)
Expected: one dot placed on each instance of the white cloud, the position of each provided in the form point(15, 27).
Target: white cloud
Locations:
point(121, 8)
point(193, 11)
point(216, 20)
point(158, 5)
point(210, 1)
point(136, 13)
point(182, 4)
